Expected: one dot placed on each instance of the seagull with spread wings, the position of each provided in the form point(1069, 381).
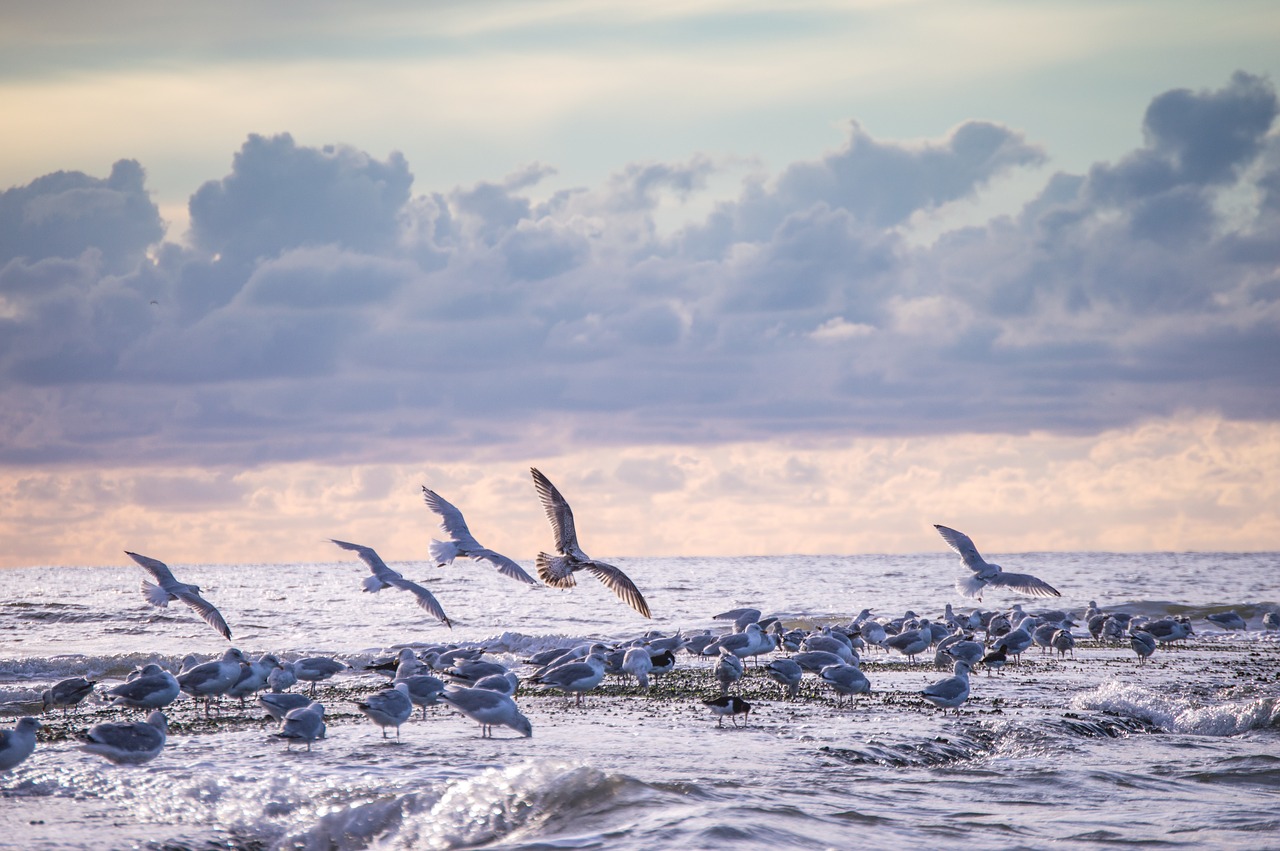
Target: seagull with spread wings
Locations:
point(985, 573)
point(382, 576)
point(462, 543)
point(557, 571)
point(169, 588)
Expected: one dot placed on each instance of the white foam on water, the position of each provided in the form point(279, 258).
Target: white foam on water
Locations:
point(1179, 714)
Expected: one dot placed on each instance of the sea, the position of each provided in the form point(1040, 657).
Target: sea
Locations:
point(1091, 750)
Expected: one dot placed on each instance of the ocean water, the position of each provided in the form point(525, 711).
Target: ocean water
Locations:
point(1093, 751)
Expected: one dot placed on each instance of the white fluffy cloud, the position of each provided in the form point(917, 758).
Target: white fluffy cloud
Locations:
point(324, 312)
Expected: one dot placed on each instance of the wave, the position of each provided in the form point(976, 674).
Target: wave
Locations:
point(1177, 714)
point(979, 741)
point(497, 804)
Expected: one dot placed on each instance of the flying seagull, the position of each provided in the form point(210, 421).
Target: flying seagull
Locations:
point(171, 589)
point(985, 573)
point(557, 571)
point(382, 576)
point(462, 543)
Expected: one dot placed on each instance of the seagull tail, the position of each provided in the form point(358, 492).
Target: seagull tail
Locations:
point(155, 595)
point(971, 586)
point(555, 571)
point(442, 552)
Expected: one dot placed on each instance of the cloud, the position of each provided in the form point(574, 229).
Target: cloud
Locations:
point(323, 311)
point(281, 196)
point(66, 214)
point(1182, 483)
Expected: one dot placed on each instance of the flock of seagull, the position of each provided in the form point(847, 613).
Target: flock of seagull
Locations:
point(484, 689)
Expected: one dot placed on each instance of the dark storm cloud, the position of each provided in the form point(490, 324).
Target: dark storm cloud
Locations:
point(323, 312)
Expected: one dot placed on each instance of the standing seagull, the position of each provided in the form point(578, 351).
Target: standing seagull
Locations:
point(17, 744)
point(382, 576)
point(171, 589)
point(463, 543)
point(557, 571)
point(985, 573)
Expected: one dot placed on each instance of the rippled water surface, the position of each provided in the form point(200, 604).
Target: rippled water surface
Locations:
point(1090, 751)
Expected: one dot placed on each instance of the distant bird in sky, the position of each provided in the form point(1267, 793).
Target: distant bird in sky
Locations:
point(985, 573)
point(169, 588)
point(557, 571)
point(383, 576)
point(462, 543)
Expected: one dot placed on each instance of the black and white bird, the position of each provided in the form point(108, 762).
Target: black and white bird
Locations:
point(985, 573)
point(382, 576)
point(729, 704)
point(462, 544)
point(557, 571)
point(169, 588)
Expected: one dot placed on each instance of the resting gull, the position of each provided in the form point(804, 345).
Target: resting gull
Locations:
point(304, 724)
point(17, 744)
point(128, 743)
point(153, 688)
point(487, 708)
point(67, 694)
point(388, 708)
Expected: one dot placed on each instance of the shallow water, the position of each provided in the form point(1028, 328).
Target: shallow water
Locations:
point(1088, 752)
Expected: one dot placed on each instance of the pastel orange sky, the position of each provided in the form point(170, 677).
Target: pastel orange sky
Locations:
point(741, 278)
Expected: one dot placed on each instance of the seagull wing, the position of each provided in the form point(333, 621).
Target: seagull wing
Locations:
point(372, 559)
point(426, 599)
point(206, 610)
point(505, 566)
point(961, 543)
point(155, 567)
point(1025, 583)
point(558, 512)
point(734, 614)
point(451, 520)
point(617, 582)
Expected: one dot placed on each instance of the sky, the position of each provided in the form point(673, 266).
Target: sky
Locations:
point(739, 277)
